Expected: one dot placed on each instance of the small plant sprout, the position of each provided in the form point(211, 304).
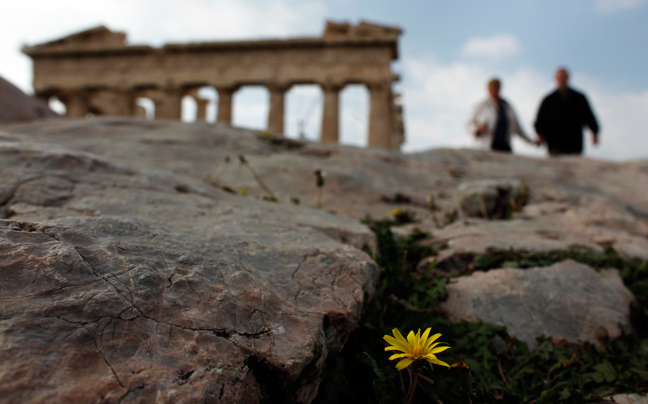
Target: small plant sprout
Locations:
point(214, 180)
point(403, 216)
point(319, 183)
point(270, 195)
point(374, 250)
point(482, 205)
point(431, 203)
point(432, 207)
point(242, 191)
point(524, 194)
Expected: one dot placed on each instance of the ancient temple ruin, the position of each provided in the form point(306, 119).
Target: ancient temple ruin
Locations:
point(97, 72)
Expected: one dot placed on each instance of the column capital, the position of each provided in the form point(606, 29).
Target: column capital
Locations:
point(191, 91)
point(331, 87)
point(74, 91)
point(231, 88)
point(275, 87)
point(378, 85)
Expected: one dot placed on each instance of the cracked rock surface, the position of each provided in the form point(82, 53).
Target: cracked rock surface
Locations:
point(123, 284)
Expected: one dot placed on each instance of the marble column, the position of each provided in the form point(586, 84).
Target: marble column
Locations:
point(225, 97)
point(124, 102)
point(331, 114)
point(139, 111)
point(170, 104)
point(276, 113)
point(76, 103)
point(201, 109)
point(380, 116)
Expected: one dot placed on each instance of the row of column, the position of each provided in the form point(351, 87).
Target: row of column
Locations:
point(168, 105)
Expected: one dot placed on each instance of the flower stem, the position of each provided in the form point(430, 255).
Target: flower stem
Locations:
point(412, 387)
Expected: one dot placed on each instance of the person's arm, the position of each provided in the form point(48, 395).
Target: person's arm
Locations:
point(474, 126)
point(517, 128)
point(590, 121)
point(541, 122)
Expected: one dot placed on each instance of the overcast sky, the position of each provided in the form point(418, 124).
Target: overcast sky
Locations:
point(447, 53)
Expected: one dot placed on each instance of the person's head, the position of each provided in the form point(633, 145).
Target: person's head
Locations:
point(562, 77)
point(494, 86)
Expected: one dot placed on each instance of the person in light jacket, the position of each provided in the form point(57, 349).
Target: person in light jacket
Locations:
point(493, 122)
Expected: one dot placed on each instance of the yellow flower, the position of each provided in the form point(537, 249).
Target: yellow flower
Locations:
point(414, 348)
point(396, 212)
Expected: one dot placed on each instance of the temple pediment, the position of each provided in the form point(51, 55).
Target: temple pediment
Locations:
point(98, 37)
point(362, 30)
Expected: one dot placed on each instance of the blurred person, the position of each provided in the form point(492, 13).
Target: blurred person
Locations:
point(493, 122)
point(561, 117)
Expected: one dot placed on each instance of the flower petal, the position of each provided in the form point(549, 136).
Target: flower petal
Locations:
point(395, 344)
point(404, 363)
point(433, 359)
point(398, 356)
point(424, 338)
point(431, 340)
point(399, 336)
point(410, 339)
point(415, 342)
point(431, 347)
point(439, 349)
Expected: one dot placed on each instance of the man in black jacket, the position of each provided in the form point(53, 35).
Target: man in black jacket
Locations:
point(561, 118)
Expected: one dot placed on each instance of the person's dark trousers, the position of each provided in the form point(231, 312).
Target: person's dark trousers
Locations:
point(502, 148)
point(556, 153)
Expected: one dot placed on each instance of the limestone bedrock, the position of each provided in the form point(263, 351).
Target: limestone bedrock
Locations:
point(132, 285)
point(130, 273)
point(555, 302)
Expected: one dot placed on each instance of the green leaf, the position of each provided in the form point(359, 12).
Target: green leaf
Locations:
point(607, 371)
point(380, 384)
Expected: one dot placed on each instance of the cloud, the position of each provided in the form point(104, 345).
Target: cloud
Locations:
point(611, 6)
point(495, 47)
point(439, 97)
point(623, 119)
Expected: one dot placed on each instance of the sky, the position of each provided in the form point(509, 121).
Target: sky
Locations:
point(448, 52)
